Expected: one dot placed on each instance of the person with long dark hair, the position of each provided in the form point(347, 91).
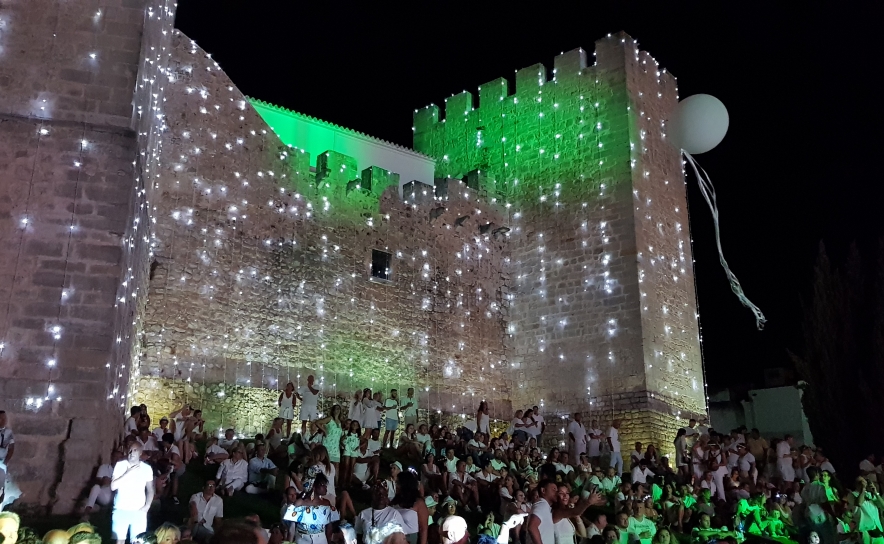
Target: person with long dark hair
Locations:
point(412, 508)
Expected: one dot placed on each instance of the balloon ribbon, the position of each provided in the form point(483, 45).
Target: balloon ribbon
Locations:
point(708, 190)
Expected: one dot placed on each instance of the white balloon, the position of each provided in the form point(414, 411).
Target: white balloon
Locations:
point(698, 124)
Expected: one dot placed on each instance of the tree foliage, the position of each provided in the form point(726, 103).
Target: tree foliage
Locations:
point(842, 361)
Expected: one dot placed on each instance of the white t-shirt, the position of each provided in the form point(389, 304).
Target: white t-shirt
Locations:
point(745, 462)
point(783, 450)
point(6, 439)
point(232, 472)
point(713, 489)
point(370, 517)
point(374, 447)
point(547, 530)
point(159, 432)
point(614, 436)
point(207, 510)
point(392, 406)
point(150, 444)
point(130, 494)
point(533, 428)
point(215, 448)
point(409, 516)
point(595, 443)
point(563, 468)
point(309, 399)
point(131, 425)
point(490, 477)
point(105, 471)
point(411, 410)
point(640, 476)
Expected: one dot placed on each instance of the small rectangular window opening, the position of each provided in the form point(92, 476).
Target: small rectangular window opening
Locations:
point(380, 265)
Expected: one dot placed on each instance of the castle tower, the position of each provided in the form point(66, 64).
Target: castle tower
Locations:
point(73, 231)
point(602, 311)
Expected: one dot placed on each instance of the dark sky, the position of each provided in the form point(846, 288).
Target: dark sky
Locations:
point(799, 164)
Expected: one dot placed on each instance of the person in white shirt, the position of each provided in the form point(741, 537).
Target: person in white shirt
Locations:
point(215, 454)
point(233, 473)
point(309, 397)
point(391, 417)
point(541, 528)
point(132, 481)
point(380, 512)
point(262, 472)
point(464, 488)
point(709, 483)
point(595, 438)
point(641, 528)
point(130, 427)
point(576, 437)
point(7, 450)
point(162, 429)
point(614, 445)
point(635, 456)
point(229, 441)
point(371, 410)
point(148, 444)
point(206, 512)
point(409, 407)
point(563, 466)
point(541, 424)
point(691, 431)
point(101, 494)
point(483, 420)
point(746, 463)
point(784, 462)
point(641, 473)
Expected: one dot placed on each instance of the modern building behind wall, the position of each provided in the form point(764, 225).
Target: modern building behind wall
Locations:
point(167, 240)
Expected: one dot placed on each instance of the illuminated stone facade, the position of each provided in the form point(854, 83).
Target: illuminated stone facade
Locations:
point(187, 254)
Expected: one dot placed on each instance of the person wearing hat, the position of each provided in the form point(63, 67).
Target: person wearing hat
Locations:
point(454, 530)
point(746, 463)
point(431, 508)
point(162, 429)
point(395, 469)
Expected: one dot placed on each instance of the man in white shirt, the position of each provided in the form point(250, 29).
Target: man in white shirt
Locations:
point(206, 512)
point(409, 408)
point(262, 472)
point(101, 494)
point(576, 438)
point(379, 514)
point(7, 449)
point(133, 482)
point(614, 445)
point(641, 473)
point(391, 418)
point(233, 473)
point(635, 456)
point(148, 444)
point(229, 440)
point(541, 529)
point(130, 427)
point(641, 528)
point(463, 487)
point(309, 397)
point(563, 465)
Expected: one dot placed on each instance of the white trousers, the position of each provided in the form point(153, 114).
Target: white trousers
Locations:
point(102, 495)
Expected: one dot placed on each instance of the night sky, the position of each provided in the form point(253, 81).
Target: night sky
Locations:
point(799, 164)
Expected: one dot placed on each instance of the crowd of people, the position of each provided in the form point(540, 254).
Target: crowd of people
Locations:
point(716, 486)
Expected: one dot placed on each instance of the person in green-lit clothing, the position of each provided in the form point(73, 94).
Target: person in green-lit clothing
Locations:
point(331, 429)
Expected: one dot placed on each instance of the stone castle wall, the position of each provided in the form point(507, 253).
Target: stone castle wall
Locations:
point(603, 314)
point(262, 266)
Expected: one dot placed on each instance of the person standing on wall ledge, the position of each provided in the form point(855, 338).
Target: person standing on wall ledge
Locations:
point(391, 419)
point(309, 397)
point(409, 408)
point(133, 483)
point(287, 407)
point(614, 445)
